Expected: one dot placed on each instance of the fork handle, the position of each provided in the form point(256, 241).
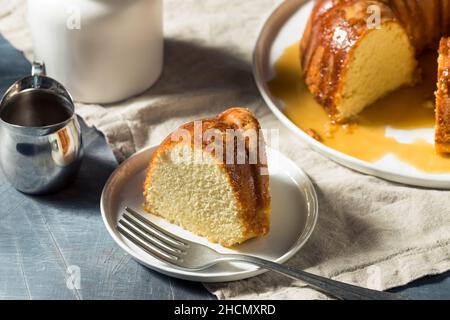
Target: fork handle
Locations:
point(334, 288)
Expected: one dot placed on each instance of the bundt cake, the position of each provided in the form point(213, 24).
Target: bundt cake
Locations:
point(354, 52)
point(210, 177)
point(442, 136)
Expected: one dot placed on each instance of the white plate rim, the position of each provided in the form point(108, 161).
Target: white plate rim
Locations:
point(313, 212)
point(267, 33)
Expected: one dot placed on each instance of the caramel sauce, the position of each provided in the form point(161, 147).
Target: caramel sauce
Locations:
point(405, 109)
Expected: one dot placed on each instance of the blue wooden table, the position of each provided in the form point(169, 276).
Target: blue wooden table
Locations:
point(48, 243)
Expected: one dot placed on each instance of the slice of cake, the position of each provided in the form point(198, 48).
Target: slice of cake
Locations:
point(210, 177)
point(442, 135)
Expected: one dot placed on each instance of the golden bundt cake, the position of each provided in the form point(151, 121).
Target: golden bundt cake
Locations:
point(210, 177)
point(442, 136)
point(349, 61)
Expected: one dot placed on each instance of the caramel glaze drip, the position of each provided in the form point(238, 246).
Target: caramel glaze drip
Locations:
point(405, 109)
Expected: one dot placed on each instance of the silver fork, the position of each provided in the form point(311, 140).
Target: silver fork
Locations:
point(185, 254)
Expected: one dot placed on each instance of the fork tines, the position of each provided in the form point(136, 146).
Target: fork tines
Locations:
point(152, 238)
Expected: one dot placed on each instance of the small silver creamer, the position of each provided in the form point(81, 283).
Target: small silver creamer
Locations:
point(40, 138)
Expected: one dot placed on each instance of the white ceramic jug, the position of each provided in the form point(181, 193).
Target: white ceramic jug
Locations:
point(102, 51)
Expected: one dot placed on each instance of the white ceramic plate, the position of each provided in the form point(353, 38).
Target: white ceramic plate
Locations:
point(294, 215)
point(282, 28)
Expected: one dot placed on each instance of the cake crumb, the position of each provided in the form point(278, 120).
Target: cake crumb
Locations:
point(312, 133)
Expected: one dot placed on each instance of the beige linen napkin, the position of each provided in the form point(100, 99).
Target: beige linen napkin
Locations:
point(370, 232)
